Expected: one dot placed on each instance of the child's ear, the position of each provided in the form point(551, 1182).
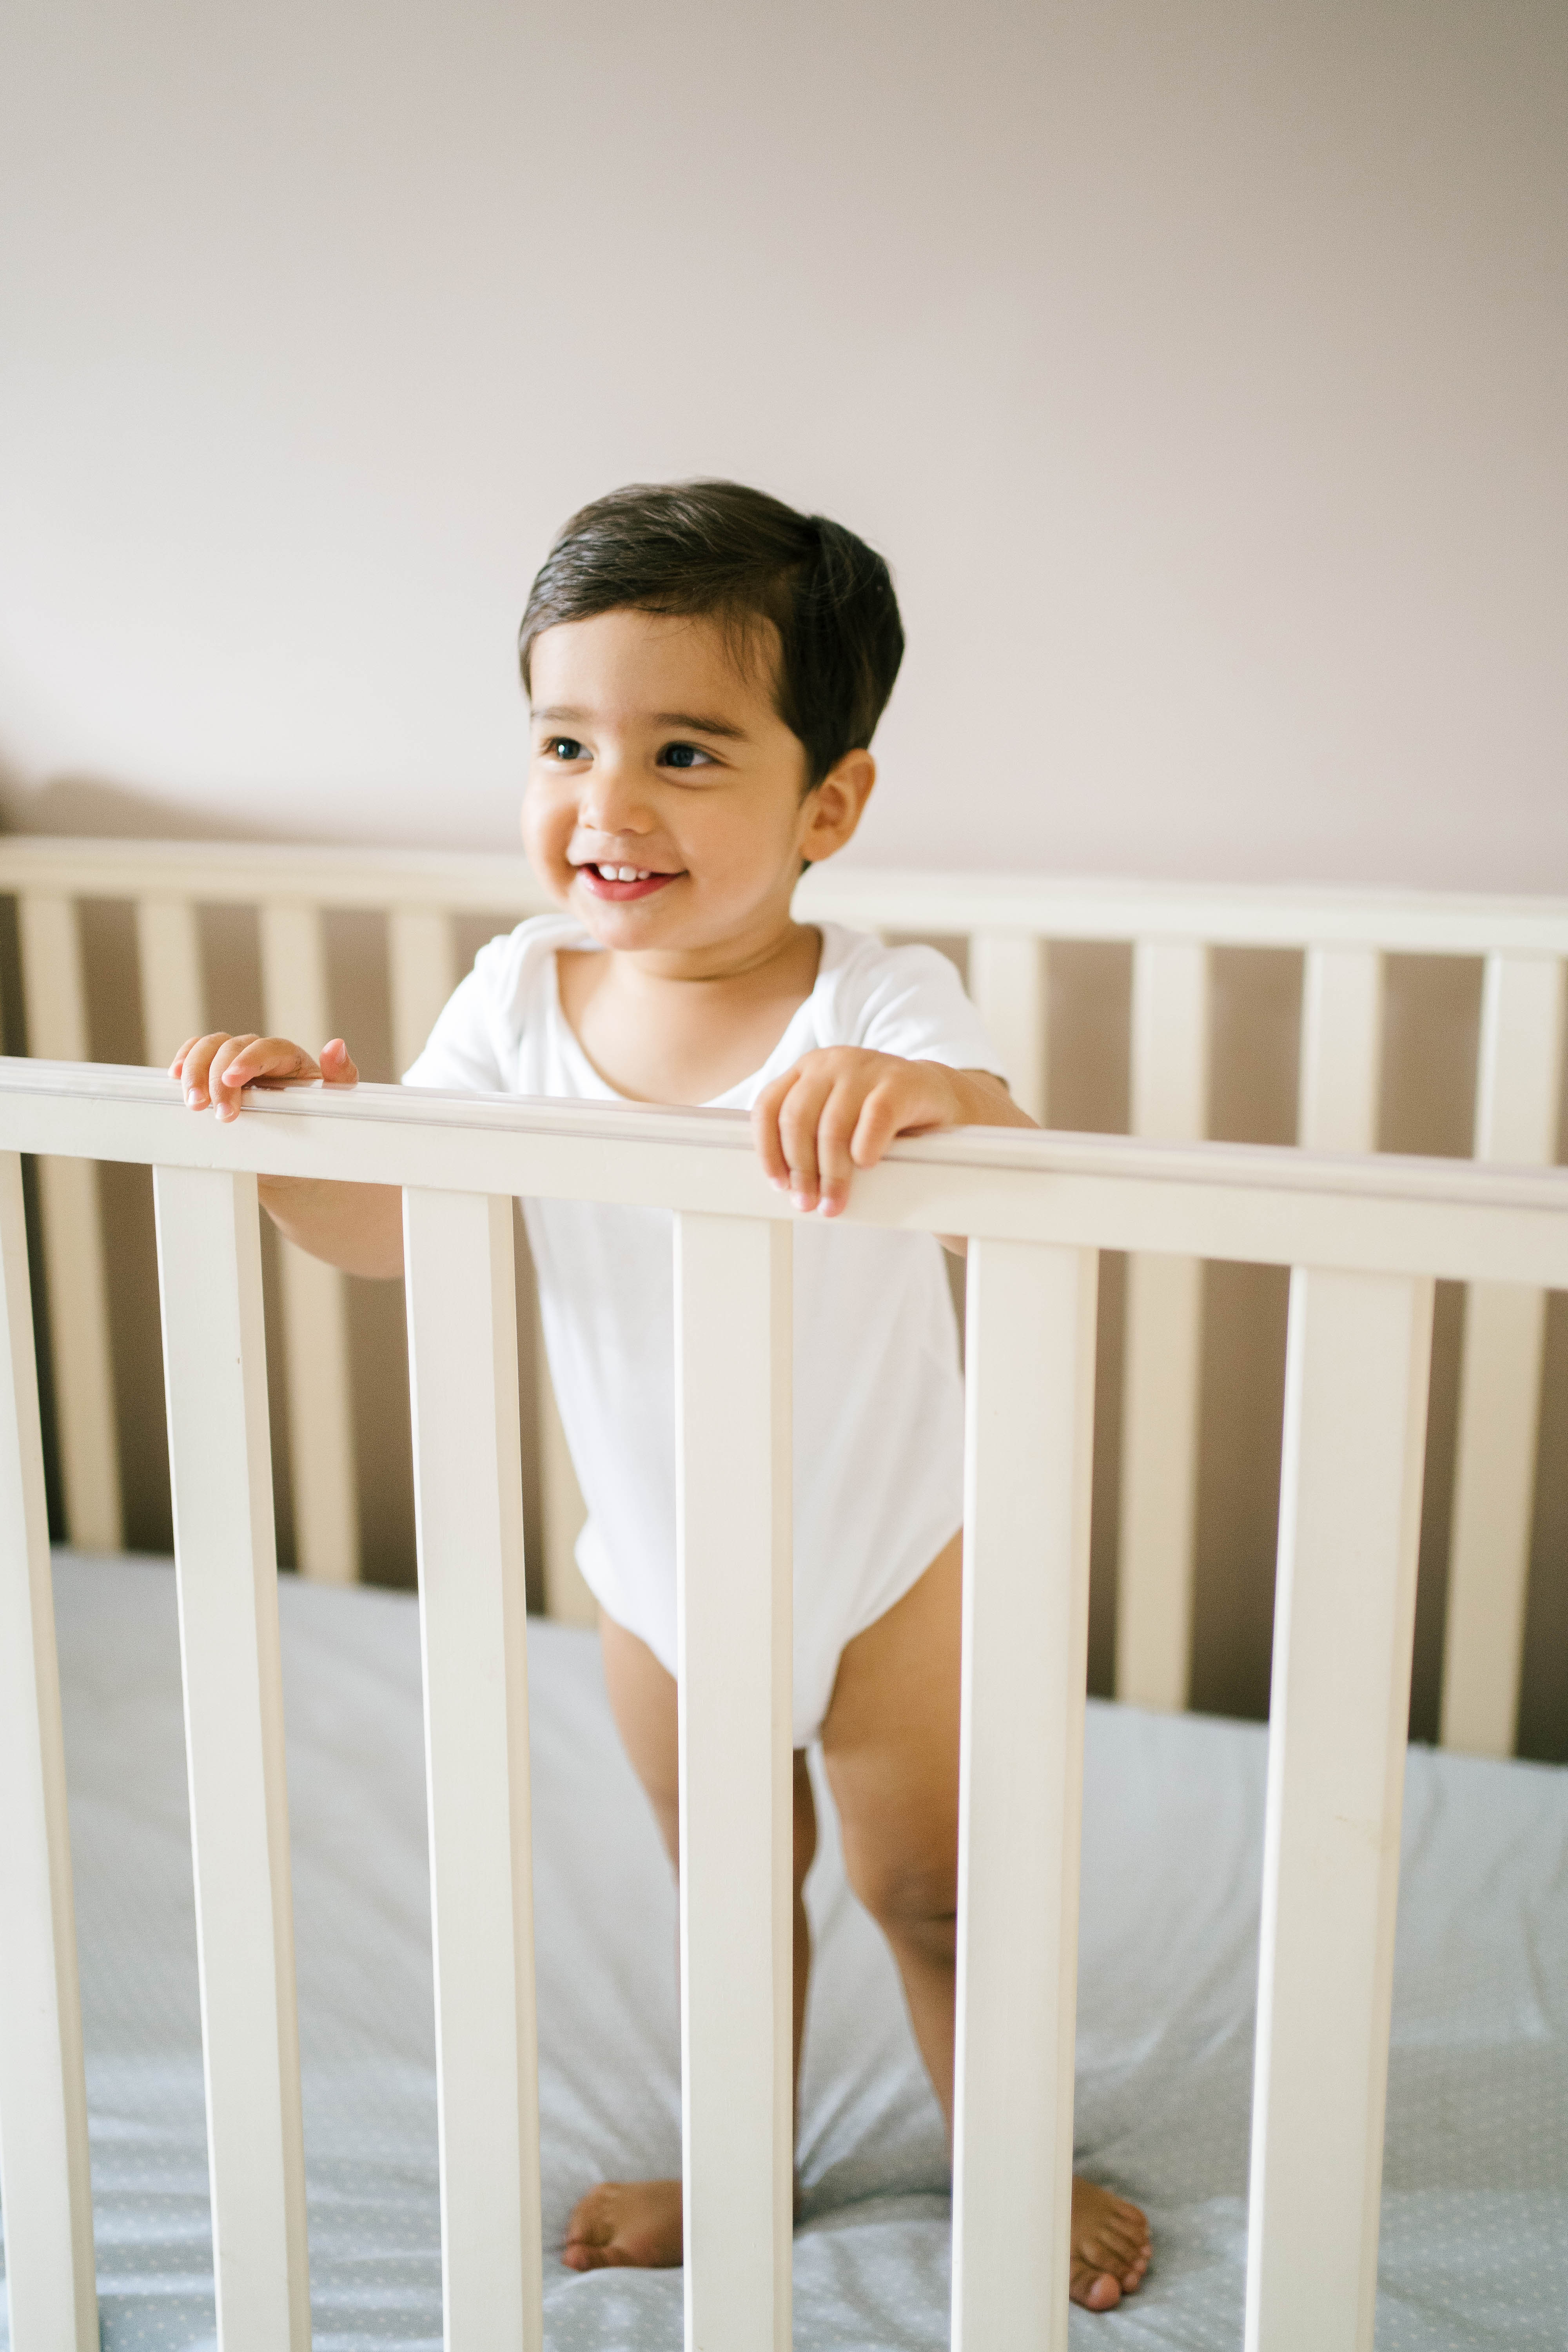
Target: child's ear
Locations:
point(835, 808)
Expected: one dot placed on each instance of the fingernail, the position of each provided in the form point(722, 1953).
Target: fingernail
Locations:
point(193, 1096)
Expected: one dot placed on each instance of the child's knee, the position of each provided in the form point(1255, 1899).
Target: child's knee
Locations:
point(913, 1897)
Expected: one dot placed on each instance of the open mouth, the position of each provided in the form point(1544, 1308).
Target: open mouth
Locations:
point(622, 882)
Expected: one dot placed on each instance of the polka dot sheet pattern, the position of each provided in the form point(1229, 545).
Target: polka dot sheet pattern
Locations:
point(1475, 2218)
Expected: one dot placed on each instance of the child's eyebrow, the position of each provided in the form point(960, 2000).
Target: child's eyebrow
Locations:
point(698, 725)
point(562, 714)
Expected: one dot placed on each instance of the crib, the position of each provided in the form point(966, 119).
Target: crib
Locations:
point(1007, 926)
point(1364, 1238)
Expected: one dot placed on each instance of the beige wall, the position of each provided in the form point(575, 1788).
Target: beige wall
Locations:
point(1200, 366)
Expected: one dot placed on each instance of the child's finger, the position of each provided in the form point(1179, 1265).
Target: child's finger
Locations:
point(256, 1061)
point(881, 1119)
point(799, 1119)
point(911, 1102)
point(196, 1064)
point(765, 1128)
point(176, 1066)
point(227, 1075)
point(835, 1131)
point(338, 1065)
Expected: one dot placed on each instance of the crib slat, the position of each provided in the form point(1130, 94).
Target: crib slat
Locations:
point(1028, 1464)
point(732, 1457)
point(1355, 1417)
point(1165, 1330)
point(315, 1317)
point(468, 1485)
point(79, 1347)
point(1341, 1049)
point(169, 954)
point(1517, 1107)
point(1007, 980)
point(422, 956)
point(46, 2188)
point(214, 1371)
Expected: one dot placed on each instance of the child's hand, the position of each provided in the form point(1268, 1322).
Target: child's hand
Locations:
point(216, 1069)
point(840, 1107)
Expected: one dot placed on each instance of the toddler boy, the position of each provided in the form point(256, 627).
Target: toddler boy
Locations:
point(706, 670)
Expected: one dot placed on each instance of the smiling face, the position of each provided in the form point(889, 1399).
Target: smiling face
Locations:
point(665, 802)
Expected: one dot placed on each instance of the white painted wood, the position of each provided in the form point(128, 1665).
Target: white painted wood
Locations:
point(911, 903)
point(468, 1487)
point(563, 1511)
point(1341, 1049)
point(1008, 982)
point(258, 873)
point(1258, 1204)
point(173, 994)
point(1029, 1467)
point(45, 2186)
point(209, 1280)
point(733, 1550)
point(1164, 1344)
point(1350, 1511)
point(81, 1356)
point(422, 958)
point(315, 1308)
point(1518, 1102)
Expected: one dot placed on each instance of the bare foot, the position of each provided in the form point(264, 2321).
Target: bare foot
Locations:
point(1110, 2247)
point(631, 2224)
point(636, 2225)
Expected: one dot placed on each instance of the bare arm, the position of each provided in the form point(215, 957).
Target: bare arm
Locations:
point(356, 1226)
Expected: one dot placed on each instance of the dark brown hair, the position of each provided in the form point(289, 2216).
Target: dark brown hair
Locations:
point(719, 549)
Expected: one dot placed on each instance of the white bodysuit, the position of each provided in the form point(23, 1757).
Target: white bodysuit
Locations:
point(879, 1400)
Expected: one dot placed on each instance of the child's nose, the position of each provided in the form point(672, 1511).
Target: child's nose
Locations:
point(613, 803)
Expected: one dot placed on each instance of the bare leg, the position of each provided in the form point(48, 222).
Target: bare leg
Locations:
point(890, 1748)
point(638, 2223)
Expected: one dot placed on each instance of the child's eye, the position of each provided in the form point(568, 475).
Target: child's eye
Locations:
point(684, 755)
point(563, 747)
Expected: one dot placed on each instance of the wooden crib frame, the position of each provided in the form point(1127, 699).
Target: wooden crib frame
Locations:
point(1008, 922)
point(1364, 1239)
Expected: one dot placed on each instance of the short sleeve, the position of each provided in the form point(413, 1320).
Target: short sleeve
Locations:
point(473, 1048)
point(909, 1001)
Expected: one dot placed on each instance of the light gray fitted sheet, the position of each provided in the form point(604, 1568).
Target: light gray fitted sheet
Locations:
point(1475, 2232)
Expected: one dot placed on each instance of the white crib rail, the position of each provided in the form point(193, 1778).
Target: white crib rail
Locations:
point(1163, 1342)
point(467, 1475)
point(1516, 1104)
point(1355, 1421)
point(1366, 1239)
point(225, 1567)
point(1008, 922)
point(46, 2188)
point(1028, 1463)
point(733, 1545)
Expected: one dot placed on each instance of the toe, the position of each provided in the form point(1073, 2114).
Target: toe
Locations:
point(589, 2232)
point(1095, 2289)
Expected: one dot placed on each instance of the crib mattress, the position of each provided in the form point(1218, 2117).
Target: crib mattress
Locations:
point(1475, 2218)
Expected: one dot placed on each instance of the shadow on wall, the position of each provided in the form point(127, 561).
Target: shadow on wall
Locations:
point(91, 806)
